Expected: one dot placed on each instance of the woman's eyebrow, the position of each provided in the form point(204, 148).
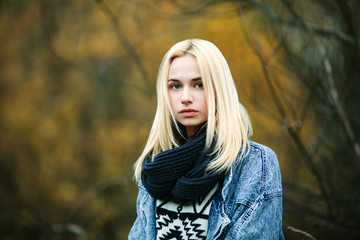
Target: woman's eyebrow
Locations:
point(176, 80)
point(173, 80)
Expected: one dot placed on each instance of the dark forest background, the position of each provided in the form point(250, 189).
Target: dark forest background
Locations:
point(77, 100)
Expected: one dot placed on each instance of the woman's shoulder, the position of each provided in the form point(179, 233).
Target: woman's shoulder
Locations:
point(258, 157)
point(260, 150)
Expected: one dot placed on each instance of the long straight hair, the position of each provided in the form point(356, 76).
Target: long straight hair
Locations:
point(228, 123)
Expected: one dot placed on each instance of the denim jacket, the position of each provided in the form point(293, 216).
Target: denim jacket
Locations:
point(247, 206)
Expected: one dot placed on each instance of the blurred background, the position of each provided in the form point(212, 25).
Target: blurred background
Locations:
point(77, 100)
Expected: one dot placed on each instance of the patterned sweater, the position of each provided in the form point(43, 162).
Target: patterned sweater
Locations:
point(183, 221)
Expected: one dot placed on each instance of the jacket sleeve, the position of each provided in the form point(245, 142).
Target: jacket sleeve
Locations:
point(261, 217)
point(262, 220)
point(144, 225)
point(138, 228)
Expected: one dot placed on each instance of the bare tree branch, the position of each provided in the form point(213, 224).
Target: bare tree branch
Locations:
point(323, 32)
point(255, 46)
point(333, 92)
point(131, 51)
point(301, 231)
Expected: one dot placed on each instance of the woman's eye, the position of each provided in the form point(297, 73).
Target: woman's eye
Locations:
point(175, 86)
point(199, 85)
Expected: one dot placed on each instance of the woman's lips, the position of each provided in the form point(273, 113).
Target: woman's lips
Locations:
point(188, 112)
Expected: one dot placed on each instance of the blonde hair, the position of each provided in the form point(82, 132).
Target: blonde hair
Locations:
point(228, 122)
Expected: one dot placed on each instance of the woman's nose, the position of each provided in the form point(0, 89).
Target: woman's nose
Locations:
point(186, 96)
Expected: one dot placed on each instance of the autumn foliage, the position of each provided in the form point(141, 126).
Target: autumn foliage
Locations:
point(77, 99)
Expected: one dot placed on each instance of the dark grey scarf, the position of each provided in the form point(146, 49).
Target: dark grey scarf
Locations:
point(179, 173)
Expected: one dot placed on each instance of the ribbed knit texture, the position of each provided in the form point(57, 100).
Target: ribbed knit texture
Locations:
point(179, 173)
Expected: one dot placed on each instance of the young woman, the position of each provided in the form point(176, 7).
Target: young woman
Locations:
point(200, 177)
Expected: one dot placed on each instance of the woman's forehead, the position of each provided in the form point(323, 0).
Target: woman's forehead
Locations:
point(184, 67)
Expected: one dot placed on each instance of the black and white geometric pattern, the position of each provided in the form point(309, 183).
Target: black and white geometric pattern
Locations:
point(183, 221)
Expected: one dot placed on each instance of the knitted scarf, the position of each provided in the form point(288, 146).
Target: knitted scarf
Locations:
point(180, 173)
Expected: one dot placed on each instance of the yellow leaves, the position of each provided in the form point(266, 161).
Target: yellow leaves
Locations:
point(91, 35)
point(120, 145)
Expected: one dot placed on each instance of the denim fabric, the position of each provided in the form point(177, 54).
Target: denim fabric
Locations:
point(247, 206)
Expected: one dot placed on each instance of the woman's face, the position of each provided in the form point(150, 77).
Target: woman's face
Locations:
point(186, 93)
